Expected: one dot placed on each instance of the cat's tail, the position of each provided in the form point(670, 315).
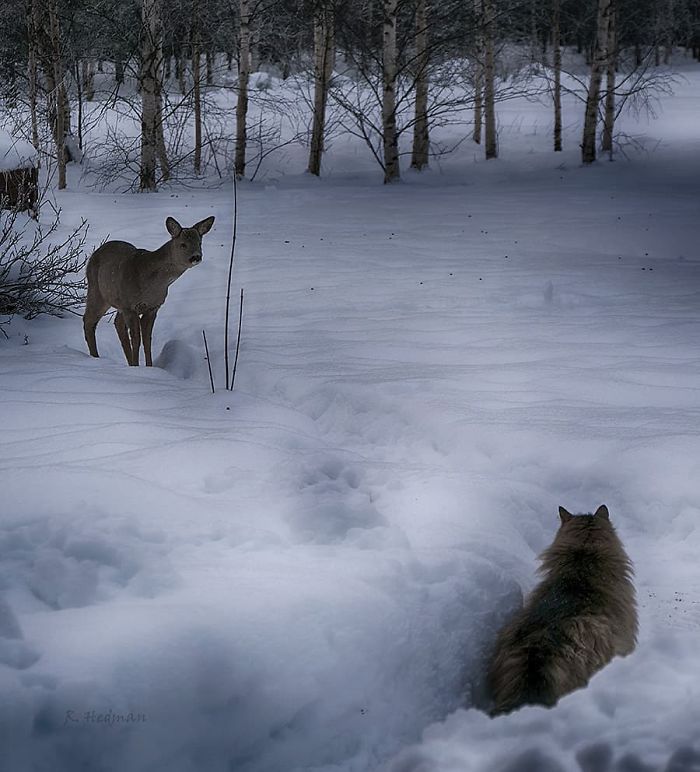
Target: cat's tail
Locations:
point(522, 672)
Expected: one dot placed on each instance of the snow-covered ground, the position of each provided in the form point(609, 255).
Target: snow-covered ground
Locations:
point(307, 574)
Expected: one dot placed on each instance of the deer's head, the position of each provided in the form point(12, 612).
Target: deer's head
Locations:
point(186, 243)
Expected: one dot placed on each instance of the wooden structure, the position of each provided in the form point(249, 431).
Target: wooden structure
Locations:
point(19, 174)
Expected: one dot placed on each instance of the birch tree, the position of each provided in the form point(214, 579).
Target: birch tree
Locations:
point(32, 70)
point(600, 55)
point(421, 140)
point(490, 140)
point(324, 43)
point(556, 56)
point(87, 76)
point(606, 144)
point(196, 88)
point(243, 79)
point(150, 46)
point(390, 138)
point(58, 95)
point(161, 150)
point(478, 90)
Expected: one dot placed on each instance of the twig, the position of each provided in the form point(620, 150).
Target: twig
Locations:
point(238, 341)
point(206, 350)
point(230, 272)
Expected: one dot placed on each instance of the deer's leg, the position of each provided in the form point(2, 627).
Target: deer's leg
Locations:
point(134, 324)
point(123, 334)
point(95, 309)
point(147, 321)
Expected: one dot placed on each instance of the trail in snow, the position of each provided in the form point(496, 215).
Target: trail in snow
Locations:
point(307, 573)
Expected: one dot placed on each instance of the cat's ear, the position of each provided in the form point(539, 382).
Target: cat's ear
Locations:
point(564, 516)
point(602, 512)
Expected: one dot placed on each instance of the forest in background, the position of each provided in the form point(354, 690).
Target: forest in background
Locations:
point(137, 95)
point(388, 71)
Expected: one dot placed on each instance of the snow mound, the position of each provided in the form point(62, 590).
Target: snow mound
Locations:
point(640, 714)
point(178, 358)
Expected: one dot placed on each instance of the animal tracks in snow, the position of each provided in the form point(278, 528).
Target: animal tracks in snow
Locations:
point(334, 501)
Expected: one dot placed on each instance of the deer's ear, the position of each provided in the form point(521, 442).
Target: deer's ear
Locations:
point(602, 512)
point(173, 226)
point(564, 516)
point(204, 226)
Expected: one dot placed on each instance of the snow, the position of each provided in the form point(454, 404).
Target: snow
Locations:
point(307, 573)
point(16, 153)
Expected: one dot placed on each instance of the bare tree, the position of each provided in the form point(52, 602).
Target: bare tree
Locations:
point(389, 70)
point(556, 44)
point(600, 56)
point(197, 87)
point(421, 138)
point(58, 96)
point(150, 47)
point(87, 78)
point(32, 70)
point(243, 79)
point(609, 115)
point(478, 89)
point(324, 55)
point(209, 57)
point(491, 144)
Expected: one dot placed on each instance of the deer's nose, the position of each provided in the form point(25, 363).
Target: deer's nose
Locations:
point(196, 259)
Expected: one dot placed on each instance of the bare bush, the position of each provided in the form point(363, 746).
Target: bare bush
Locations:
point(40, 273)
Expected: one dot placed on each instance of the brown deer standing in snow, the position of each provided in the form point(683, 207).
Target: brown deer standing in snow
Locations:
point(135, 282)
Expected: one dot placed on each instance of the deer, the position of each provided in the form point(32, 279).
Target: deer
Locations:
point(135, 282)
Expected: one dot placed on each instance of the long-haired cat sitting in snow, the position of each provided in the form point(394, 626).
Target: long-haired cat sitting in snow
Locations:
point(576, 620)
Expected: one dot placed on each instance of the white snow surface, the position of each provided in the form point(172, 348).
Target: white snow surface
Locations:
point(308, 573)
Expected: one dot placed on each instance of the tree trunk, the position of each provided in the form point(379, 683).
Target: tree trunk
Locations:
point(32, 71)
point(150, 47)
point(181, 71)
point(79, 82)
point(478, 81)
point(478, 103)
point(119, 72)
point(588, 144)
point(491, 145)
point(197, 94)
point(389, 133)
point(534, 37)
point(556, 44)
point(254, 49)
point(243, 78)
point(609, 117)
point(210, 68)
point(161, 151)
point(59, 93)
point(87, 77)
point(421, 138)
point(324, 55)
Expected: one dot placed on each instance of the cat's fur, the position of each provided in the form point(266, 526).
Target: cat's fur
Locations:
point(576, 620)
